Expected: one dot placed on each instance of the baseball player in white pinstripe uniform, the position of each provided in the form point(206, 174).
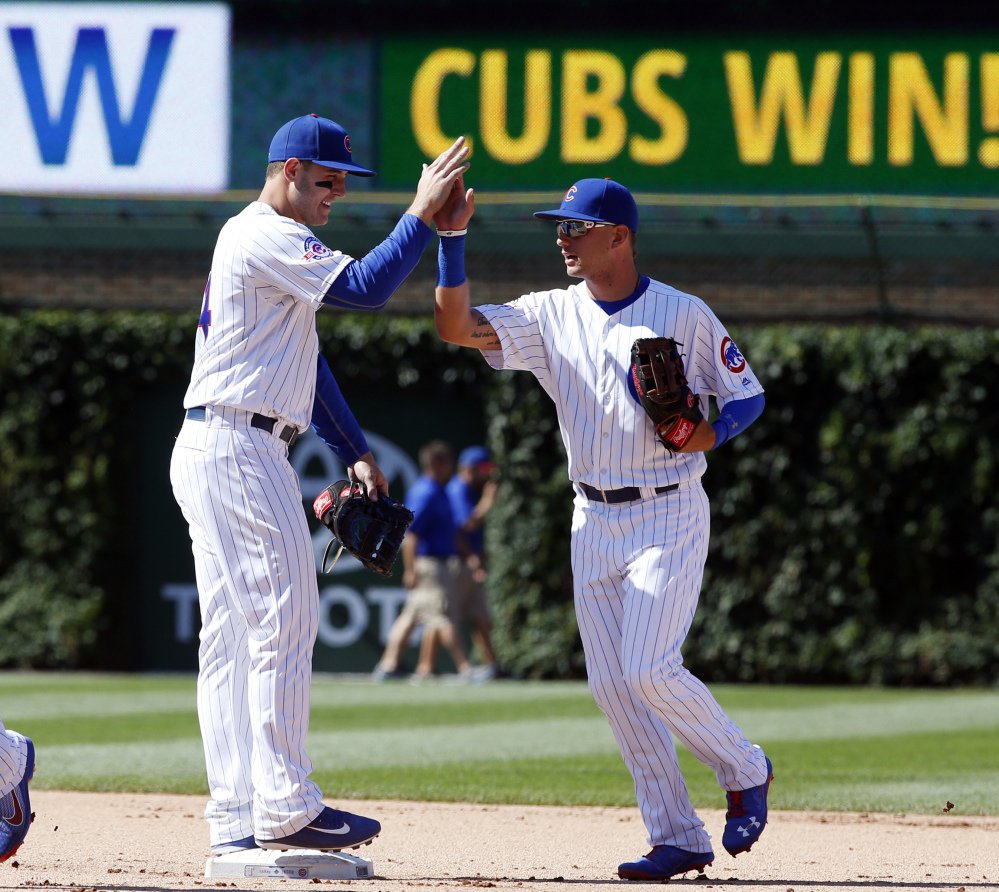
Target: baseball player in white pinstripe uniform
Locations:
point(640, 519)
point(17, 766)
point(259, 380)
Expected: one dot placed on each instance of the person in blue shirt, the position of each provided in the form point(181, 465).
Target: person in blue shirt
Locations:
point(472, 492)
point(430, 566)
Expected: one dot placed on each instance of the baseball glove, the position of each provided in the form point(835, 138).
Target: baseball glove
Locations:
point(371, 531)
point(661, 385)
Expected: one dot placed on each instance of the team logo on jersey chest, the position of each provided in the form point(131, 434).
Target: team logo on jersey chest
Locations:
point(734, 361)
point(315, 249)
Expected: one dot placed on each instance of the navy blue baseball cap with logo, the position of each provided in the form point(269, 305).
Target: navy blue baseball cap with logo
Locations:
point(598, 201)
point(315, 139)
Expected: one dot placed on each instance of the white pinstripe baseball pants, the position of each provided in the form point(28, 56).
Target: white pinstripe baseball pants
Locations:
point(637, 570)
point(13, 759)
point(260, 615)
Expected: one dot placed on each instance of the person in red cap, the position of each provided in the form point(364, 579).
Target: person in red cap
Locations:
point(258, 381)
point(641, 518)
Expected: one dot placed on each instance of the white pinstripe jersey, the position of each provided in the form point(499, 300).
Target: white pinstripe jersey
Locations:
point(256, 345)
point(582, 357)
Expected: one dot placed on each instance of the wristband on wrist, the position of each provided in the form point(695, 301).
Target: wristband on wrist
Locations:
point(451, 261)
point(451, 233)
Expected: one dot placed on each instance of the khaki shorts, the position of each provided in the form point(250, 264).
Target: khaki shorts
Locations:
point(427, 603)
point(469, 604)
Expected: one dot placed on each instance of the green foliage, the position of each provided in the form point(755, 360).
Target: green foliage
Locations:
point(857, 538)
point(527, 536)
point(855, 527)
point(68, 381)
point(73, 385)
point(390, 353)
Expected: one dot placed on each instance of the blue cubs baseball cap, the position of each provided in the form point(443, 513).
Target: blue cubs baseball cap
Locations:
point(475, 456)
point(315, 139)
point(599, 201)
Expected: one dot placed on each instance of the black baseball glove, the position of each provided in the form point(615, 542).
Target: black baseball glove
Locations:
point(371, 531)
point(659, 379)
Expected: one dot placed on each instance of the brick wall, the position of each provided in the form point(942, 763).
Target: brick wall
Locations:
point(771, 263)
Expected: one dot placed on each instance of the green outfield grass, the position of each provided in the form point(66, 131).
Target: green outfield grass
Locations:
point(840, 749)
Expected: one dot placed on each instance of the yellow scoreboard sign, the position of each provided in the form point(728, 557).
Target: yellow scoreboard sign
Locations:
point(699, 115)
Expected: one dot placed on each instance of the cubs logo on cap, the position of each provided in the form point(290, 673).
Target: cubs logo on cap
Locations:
point(316, 139)
point(598, 201)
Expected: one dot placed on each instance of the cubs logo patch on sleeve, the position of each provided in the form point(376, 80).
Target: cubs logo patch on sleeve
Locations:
point(732, 357)
point(315, 249)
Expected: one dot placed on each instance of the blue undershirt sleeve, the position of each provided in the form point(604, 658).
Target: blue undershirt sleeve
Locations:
point(368, 283)
point(332, 418)
point(736, 416)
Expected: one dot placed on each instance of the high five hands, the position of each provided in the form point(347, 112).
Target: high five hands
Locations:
point(438, 180)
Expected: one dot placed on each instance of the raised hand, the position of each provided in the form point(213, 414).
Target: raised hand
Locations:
point(457, 209)
point(437, 180)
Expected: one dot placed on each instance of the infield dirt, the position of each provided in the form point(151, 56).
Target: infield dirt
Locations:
point(148, 843)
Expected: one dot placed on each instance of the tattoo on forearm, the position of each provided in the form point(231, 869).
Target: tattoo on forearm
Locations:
point(483, 331)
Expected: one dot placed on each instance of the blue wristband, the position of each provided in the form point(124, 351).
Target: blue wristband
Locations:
point(451, 262)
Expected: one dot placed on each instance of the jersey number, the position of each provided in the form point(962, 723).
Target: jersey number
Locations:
point(206, 314)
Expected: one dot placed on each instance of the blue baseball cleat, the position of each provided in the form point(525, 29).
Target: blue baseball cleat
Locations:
point(664, 862)
point(15, 810)
point(246, 844)
point(746, 816)
point(332, 831)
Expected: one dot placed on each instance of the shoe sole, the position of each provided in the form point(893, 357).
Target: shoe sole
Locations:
point(11, 853)
point(282, 847)
point(734, 852)
point(661, 877)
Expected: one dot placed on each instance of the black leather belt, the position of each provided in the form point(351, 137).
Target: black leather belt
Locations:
point(262, 422)
point(625, 494)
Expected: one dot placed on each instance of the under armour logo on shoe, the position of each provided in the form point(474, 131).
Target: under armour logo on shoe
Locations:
point(752, 825)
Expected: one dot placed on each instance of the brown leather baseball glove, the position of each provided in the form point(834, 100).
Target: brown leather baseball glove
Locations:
point(661, 384)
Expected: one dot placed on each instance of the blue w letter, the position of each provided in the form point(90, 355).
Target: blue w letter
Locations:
point(91, 50)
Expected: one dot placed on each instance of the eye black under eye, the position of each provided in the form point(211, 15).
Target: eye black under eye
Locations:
point(325, 184)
